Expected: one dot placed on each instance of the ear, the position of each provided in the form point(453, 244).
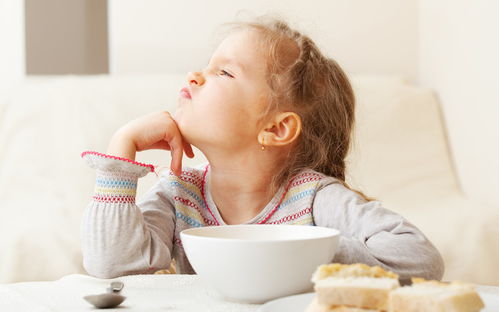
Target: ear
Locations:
point(281, 131)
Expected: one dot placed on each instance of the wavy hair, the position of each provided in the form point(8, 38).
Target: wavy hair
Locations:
point(303, 80)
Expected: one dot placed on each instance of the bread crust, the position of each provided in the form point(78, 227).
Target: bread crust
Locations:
point(316, 307)
point(365, 298)
point(360, 288)
point(435, 296)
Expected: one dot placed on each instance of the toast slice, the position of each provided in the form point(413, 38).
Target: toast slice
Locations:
point(316, 307)
point(354, 286)
point(424, 296)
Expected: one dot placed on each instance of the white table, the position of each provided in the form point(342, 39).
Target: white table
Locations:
point(144, 293)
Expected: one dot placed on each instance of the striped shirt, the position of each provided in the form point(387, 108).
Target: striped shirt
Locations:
point(121, 237)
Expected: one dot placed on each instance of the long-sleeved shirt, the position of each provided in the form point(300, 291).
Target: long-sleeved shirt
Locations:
point(121, 237)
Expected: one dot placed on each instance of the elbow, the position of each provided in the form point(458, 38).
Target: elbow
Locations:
point(101, 269)
point(437, 266)
point(431, 266)
point(107, 267)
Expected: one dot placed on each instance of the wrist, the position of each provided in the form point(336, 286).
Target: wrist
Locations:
point(122, 145)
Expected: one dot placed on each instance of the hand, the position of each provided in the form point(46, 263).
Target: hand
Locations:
point(154, 131)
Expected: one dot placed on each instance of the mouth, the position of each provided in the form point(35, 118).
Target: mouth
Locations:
point(185, 92)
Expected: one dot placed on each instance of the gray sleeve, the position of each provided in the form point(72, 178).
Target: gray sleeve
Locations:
point(373, 235)
point(120, 237)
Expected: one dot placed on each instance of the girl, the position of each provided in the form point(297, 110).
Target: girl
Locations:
point(273, 116)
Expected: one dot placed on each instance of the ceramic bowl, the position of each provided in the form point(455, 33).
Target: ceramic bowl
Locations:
point(257, 263)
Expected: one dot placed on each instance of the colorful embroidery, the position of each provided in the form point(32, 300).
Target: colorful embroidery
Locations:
point(115, 188)
point(289, 218)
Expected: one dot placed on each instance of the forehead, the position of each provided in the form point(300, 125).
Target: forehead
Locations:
point(240, 48)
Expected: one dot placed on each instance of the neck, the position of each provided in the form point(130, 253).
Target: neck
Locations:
point(240, 183)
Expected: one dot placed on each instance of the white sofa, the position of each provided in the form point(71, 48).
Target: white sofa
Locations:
point(400, 156)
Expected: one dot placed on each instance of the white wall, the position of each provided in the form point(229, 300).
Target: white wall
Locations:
point(12, 62)
point(459, 59)
point(179, 36)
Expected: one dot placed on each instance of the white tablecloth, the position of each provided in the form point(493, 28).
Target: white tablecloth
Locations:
point(144, 293)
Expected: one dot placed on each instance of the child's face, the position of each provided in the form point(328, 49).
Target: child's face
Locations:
point(227, 97)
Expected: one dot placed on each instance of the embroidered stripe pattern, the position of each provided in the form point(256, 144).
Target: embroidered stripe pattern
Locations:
point(115, 188)
point(306, 179)
point(189, 213)
point(292, 217)
point(187, 220)
point(298, 196)
point(189, 192)
point(307, 220)
point(296, 204)
point(188, 203)
point(114, 199)
point(190, 178)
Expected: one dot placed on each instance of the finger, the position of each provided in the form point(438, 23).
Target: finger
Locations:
point(177, 153)
point(163, 145)
point(176, 163)
point(188, 149)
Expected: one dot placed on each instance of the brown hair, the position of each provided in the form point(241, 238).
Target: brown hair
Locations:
point(303, 80)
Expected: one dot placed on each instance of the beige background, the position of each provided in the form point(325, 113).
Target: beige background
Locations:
point(66, 37)
point(176, 36)
point(446, 45)
point(458, 57)
point(449, 46)
point(11, 43)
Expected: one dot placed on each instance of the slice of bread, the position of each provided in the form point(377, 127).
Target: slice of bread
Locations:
point(316, 307)
point(424, 296)
point(355, 286)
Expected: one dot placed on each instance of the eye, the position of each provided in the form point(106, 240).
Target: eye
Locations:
point(224, 73)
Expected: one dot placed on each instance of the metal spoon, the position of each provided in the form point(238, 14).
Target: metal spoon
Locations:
point(111, 299)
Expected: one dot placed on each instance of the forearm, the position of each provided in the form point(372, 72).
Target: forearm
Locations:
point(121, 145)
point(374, 235)
point(117, 238)
point(113, 238)
point(407, 255)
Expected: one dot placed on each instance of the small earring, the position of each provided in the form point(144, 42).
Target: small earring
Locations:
point(263, 143)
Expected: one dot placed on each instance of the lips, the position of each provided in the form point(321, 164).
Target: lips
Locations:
point(185, 92)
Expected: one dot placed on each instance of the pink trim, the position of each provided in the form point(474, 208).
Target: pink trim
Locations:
point(189, 177)
point(204, 197)
point(306, 180)
point(118, 158)
point(193, 181)
point(293, 216)
point(178, 241)
point(114, 199)
point(278, 204)
point(310, 174)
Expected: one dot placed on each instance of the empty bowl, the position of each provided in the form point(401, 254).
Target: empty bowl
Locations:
point(257, 263)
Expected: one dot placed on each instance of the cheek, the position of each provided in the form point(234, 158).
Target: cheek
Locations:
point(219, 103)
point(225, 113)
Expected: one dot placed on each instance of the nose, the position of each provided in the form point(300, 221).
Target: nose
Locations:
point(195, 78)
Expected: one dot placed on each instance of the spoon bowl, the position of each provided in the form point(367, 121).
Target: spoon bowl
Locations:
point(111, 299)
point(105, 301)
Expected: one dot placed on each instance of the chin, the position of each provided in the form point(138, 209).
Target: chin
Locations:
point(184, 130)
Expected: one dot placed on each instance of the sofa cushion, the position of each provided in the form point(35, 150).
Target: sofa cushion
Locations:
point(399, 142)
point(400, 156)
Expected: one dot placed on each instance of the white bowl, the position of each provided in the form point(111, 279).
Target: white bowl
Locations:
point(257, 263)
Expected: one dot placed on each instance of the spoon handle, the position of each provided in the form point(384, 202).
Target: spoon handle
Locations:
point(115, 287)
